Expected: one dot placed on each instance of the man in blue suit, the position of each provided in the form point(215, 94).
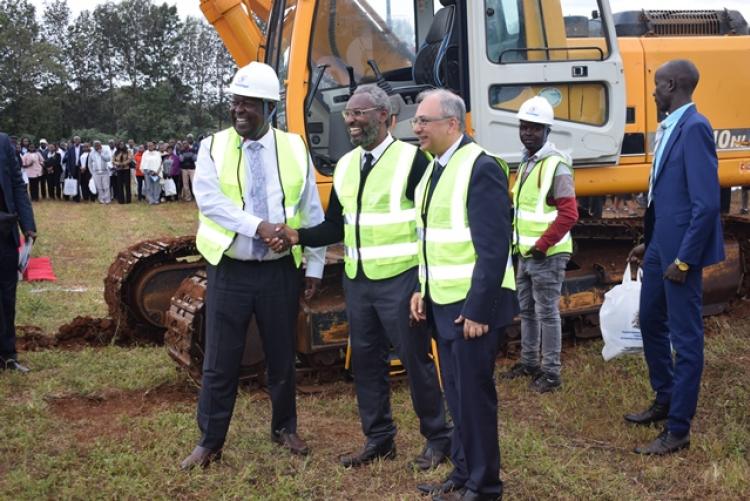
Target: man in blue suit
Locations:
point(682, 235)
point(15, 208)
point(466, 286)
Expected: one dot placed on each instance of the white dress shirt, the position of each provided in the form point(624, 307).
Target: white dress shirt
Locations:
point(377, 151)
point(221, 210)
point(448, 154)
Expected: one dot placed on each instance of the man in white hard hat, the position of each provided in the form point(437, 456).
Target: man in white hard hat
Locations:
point(545, 211)
point(250, 178)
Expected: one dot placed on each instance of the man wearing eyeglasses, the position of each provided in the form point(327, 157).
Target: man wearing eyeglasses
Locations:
point(466, 286)
point(371, 208)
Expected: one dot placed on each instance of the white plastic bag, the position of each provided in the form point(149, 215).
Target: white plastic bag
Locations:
point(70, 187)
point(170, 188)
point(92, 186)
point(618, 318)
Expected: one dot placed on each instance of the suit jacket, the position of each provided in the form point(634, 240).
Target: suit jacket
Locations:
point(684, 216)
point(14, 189)
point(72, 167)
point(490, 223)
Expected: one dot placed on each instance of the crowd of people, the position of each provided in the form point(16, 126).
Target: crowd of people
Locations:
point(95, 171)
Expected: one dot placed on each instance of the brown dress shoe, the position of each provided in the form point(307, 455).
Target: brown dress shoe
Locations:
point(291, 441)
point(201, 456)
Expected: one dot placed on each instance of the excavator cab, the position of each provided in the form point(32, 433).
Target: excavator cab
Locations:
point(494, 53)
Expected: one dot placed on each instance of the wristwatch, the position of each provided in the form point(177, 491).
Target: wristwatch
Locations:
point(681, 266)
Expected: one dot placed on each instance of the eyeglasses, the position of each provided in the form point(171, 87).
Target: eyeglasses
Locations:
point(357, 113)
point(422, 121)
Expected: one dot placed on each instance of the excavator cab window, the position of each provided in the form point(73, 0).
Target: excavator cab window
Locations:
point(280, 47)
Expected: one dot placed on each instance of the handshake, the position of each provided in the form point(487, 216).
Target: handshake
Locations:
point(278, 237)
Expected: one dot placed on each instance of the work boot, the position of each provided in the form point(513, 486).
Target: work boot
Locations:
point(521, 370)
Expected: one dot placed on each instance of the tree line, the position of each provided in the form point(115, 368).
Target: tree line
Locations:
point(128, 69)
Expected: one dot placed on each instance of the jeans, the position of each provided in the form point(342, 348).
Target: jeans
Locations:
point(538, 283)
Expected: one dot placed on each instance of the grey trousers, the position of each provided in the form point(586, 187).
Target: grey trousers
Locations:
point(378, 314)
point(101, 181)
point(538, 284)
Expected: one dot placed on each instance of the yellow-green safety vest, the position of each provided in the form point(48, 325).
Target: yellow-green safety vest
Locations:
point(446, 252)
point(380, 229)
point(213, 239)
point(532, 215)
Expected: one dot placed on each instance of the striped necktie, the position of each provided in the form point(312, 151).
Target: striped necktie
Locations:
point(654, 166)
point(258, 195)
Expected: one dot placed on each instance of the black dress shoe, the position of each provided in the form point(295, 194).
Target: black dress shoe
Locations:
point(434, 489)
point(291, 441)
point(429, 458)
point(657, 412)
point(11, 364)
point(665, 443)
point(370, 453)
point(201, 456)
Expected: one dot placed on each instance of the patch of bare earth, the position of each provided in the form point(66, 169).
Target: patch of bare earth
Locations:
point(100, 415)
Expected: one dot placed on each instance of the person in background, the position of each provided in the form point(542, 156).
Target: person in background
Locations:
point(152, 173)
point(166, 167)
point(176, 172)
point(121, 163)
point(137, 156)
point(98, 163)
point(14, 203)
point(110, 148)
point(85, 174)
point(53, 167)
point(43, 178)
point(187, 166)
point(33, 164)
point(72, 164)
point(25, 143)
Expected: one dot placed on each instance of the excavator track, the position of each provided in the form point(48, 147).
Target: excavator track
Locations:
point(157, 286)
point(141, 281)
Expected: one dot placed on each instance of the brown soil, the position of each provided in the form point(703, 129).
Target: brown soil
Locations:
point(78, 333)
point(96, 416)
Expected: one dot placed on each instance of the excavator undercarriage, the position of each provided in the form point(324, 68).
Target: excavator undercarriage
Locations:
point(156, 290)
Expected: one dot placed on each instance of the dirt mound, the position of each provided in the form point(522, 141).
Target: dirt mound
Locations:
point(32, 338)
point(78, 333)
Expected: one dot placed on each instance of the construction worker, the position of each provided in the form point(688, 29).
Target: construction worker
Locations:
point(249, 178)
point(545, 212)
point(466, 286)
point(372, 209)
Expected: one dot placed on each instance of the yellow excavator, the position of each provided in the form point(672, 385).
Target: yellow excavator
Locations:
point(596, 68)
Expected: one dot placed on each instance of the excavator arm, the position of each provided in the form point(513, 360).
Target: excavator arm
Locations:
point(238, 24)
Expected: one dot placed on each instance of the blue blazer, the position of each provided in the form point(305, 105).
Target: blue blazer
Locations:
point(684, 217)
point(14, 189)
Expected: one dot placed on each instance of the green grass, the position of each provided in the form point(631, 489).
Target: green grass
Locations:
point(115, 422)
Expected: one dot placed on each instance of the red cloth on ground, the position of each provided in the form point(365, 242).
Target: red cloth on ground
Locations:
point(40, 268)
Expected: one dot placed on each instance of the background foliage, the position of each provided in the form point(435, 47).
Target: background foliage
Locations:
point(132, 69)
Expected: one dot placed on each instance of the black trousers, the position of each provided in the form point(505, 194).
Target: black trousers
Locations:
point(378, 315)
point(53, 185)
point(139, 183)
point(122, 188)
point(8, 282)
point(43, 184)
point(237, 291)
point(468, 368)
point(34, 183)
point(83, 185)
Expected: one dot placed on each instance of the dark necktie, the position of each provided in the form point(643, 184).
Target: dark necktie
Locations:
point(437, 171)
point(367, 167)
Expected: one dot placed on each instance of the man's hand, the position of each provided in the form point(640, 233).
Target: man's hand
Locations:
point(536, 253)
point(312, 286)
point(636, 254)
point(472, 329)
point(416, 308)
point(284, 238)
point(30, 234)
point(674, 274)
point(266, 231)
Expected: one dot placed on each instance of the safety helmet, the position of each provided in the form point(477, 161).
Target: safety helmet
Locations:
point(42, 141)
point(256, 80)
point(536, 110)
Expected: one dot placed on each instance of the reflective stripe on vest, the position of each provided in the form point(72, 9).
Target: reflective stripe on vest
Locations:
point(532, 215)
point(446, 252)
point(379, 229)
point(213, 239)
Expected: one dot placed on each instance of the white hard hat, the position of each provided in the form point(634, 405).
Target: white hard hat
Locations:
point(537, 110)
point(256, 80)
point(42, 141)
